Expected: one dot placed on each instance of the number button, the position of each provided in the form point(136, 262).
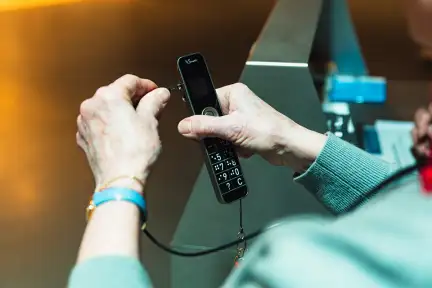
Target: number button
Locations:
point(219, 167)
point(227, 175)
point(216, 157)
point(234, 172)
point(222, 177)
point(231, 163)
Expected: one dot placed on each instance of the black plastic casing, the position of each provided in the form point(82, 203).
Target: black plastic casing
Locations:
point(221, 160)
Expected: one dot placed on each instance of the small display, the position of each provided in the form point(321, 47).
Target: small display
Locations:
point(199, 87)
point(198, 83)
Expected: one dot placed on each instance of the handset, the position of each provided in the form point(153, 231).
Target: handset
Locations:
point(221, 159)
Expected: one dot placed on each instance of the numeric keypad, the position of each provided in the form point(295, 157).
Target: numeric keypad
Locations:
point(225, 164)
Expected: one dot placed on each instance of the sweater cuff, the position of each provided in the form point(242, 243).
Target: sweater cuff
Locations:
point(342, 174)
point(109, 271)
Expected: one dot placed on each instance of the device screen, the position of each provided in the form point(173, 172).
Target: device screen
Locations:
point(199, 87)
point(197, 82)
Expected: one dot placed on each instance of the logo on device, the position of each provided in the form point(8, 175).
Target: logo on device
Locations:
point(190, 61)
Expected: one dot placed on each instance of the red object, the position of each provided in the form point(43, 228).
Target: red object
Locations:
point(426, 171)
point(426, 177)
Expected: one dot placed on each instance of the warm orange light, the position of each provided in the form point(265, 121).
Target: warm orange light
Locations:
point(22, 4)
point(6, 5)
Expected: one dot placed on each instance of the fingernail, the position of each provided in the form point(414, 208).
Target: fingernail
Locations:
point(163, 93)
point(184, 127)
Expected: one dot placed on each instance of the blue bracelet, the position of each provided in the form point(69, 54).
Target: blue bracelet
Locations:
point(120, 194)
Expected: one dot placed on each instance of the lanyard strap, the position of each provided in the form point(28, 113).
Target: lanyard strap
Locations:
point(242, 246)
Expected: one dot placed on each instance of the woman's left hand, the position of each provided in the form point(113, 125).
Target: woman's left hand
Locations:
point(118, 139)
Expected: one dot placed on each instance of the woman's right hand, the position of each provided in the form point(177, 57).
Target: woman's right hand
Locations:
point(256, 127)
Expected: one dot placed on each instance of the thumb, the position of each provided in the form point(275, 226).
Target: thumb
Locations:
point(200, 126)
point(153, 102)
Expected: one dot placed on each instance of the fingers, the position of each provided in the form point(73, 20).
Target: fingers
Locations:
point(80, 135)
point(244, 153)
point(131, 88)
point(88, 108)
point(226, 94)
point(80, 125)
point(225, 127)
point(81, 142)
point(153, 102)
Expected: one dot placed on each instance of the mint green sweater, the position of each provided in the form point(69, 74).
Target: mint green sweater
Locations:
point(387, 242)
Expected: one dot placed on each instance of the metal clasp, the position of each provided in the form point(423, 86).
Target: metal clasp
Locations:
point(241, 247)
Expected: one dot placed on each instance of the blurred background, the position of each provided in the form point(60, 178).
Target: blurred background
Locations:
point(55, 54)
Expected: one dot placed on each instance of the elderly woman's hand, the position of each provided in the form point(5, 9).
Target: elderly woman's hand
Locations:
point(118, 139)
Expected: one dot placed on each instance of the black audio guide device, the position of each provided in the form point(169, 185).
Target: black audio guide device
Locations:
point(220, 157)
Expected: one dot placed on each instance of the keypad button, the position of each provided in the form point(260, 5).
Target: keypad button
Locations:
point(223, 155)
point(228, 175)
point(219, 167)
point(238, 182)
point(211, 145)
point(231, 184)
point(217, 157)
point(225, 187)
point(224, 143)
point(230, 163)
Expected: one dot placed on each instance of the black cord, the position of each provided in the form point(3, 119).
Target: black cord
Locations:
point(204, 252)
point(399, 174)
point(241, 215)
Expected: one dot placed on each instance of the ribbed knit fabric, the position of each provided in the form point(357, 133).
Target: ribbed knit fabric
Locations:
point(342, 174)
